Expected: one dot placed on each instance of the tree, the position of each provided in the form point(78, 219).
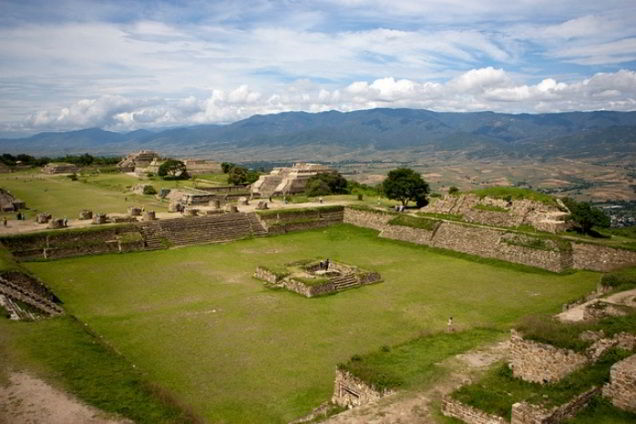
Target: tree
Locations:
point(333, 181)
point(173, 169)
point(453, 190)
point(585, 216)
point(227, 166)
point(317, 187)
point(404, 184)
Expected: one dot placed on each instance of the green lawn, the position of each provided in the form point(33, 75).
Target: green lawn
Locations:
point(62, 197)
point(199, 325)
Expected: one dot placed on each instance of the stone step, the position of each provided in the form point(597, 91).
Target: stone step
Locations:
point(29, 300)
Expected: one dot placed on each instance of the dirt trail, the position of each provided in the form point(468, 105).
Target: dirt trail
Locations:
point(411, 408)
point(575, 314)
point(29, 400)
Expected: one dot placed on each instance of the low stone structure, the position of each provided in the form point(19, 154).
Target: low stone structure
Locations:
point(350, 391)
point(134, 211)
point(190, 212)
point(542, 363)
point(262, 205)
point(85, 214)
point(285, 181)
point(468, 414)
point(601, 309)
point(140, 188)
point(621, 389)
point(527, 413)
point(43, 218)
point(59, 168)
point(100, 218)
point(56, 223)
point(316, 278)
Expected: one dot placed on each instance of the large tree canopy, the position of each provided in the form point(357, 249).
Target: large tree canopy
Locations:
point(404, 184)
point(241, 175)
point(172, 169)
point(328, 183)
point(585, 216)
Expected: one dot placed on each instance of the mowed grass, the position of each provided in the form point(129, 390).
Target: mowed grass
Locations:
point(62, 197)
point(197, 322)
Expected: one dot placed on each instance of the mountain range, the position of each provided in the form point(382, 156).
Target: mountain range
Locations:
point(305, 135)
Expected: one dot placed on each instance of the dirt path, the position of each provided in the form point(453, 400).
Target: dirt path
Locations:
point(29, 400)
point(575, 314)
point(411, 408)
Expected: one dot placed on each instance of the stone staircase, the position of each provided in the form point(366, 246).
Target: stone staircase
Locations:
point(268, 186)
point(205, 229)
point(345, 282)
point(17, 293)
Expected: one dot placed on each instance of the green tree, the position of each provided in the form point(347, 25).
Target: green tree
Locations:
point(404, 184)
point(172, 169)
point(227, 166)
point(585, 216)
point(453, 190)
point(335, 183)
point(317, 187)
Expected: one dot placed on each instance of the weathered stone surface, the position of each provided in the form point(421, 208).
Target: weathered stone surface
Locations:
point(134, 211)
point(149, 216)
point(527, 413)
point(601, 309)
point(600, 258)
point(43, 218)
point(468, 414)
point(542, 363)
point(621, 389)
point(100, 218)
point(350, 391)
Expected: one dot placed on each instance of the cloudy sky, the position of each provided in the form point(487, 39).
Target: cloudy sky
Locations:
point(124, 65)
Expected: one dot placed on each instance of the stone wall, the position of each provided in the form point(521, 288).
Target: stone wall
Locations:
point(265, 275)
point(468, 414)
point(542, 363)
point(300, 220)
point(600, 258)
point(527, 413)
point(62, 244)
point(497, 243)
point(622, 386)
point(350, 391)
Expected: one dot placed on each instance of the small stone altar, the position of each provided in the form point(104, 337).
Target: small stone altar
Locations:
point(315, 277)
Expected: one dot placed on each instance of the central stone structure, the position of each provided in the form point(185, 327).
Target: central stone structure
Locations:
point(285, 181)
point(316, 277)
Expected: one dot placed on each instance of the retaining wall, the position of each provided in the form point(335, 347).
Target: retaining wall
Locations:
point(498, 243)
point(468, 414)
point(622, 386)
point(527, 413)
point(542, 363)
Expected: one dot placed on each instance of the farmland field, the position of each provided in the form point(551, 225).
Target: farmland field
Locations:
point(195, 321)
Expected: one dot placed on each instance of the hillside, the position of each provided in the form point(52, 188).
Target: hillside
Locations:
point(301, 134)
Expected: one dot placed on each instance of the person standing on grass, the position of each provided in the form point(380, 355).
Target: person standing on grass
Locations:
point(450, 325)
point(4, 221)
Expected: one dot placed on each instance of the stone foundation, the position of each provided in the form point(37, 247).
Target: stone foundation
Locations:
point(621, 389)
point(468, 414)
point(350, 391)
point(542, 363)
point(527, 413)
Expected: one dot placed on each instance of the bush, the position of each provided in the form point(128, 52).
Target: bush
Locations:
point(149, 190)
point(453, 190)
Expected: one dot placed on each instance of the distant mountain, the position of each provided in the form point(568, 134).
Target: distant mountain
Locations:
point(483, 134)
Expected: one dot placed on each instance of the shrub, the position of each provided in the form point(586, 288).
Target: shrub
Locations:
point(149, 190)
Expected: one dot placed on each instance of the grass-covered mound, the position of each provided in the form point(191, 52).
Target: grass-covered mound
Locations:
point(620, 280)
point(414, 363)
point(515, 193)
point(600, 411)
point(496, 391)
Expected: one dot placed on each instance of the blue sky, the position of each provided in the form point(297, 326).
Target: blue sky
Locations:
point(124, 65)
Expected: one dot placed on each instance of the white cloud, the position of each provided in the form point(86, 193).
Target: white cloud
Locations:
point(477, 89)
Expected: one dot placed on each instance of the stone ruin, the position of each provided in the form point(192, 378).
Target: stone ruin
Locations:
point(149, 216)
point(349, 391)
point(100, 218)
point(137, 161)
point(202, 166)
point(317, 277)
point(8, 203)
point(284, 181)
point(59, 168)
point(134, 211)
point(85, 214)
point(43, 218)
point(502, 213)
point(621, 389)
point(56, 223)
